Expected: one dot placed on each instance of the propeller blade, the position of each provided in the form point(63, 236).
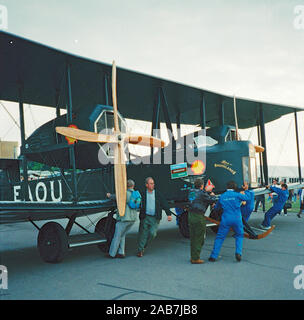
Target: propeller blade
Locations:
point(145, 140)
point(114, 96)
point(259, 149)
point(120, 172)
point(88, 136)
point(120, 175)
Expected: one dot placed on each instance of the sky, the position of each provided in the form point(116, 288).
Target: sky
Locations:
point(253, 49)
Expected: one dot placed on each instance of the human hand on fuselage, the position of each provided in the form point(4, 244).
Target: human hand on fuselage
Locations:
point(209, 188)
point(245, 186)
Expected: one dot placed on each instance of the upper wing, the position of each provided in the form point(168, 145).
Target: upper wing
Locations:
point(40, 71)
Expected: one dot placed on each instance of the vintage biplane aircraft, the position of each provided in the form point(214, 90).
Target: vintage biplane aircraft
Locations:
point(92, 128)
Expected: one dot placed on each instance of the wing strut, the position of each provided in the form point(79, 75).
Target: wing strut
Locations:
point(118, 139)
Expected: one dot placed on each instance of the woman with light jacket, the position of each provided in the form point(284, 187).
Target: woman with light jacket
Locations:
point(123, 224)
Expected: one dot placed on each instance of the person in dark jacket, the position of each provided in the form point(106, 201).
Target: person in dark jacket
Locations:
point(150, 215)
point(199, 202)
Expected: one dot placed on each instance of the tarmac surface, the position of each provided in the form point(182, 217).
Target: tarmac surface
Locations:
point(164, 272)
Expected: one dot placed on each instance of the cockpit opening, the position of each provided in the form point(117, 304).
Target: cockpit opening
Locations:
point(232, 135)
point(105, 124)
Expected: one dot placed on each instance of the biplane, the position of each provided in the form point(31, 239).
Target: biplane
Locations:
point(88, 140)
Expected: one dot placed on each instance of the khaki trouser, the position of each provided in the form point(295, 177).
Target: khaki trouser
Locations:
point(119, 238)
point(147, 231)
point(197, 227)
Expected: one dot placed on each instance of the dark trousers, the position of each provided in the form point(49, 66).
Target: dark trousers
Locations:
point(258, 202)
point(197, 228)
point(147, 231)
point(269, 215)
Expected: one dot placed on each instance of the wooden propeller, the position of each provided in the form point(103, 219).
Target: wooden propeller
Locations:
point(120, 172)
point(145, 140)
point(88, 136)
point(118, 139)
point(259, 149)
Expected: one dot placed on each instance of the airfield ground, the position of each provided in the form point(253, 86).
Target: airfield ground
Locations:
point(266, 270)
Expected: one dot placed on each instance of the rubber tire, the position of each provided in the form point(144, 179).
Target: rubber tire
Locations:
point(106, 231)
point(183, 224)
point(216, 215)
point(52, 242)
point(215, 229)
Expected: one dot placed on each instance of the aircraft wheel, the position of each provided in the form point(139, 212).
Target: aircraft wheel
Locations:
point(106, 228)
point(52, 242)
point(183, 224)
point(215, 229)
point(216, 215)
point(100, 228)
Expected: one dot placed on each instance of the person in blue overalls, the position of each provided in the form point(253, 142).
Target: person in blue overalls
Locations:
point(230, 202)
point(277, 205)
point(247, 208)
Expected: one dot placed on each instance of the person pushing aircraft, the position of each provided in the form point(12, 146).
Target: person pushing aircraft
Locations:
point(278, 204)
point(230, 202)
point(248, 206)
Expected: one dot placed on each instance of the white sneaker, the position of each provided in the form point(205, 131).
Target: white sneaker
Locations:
point(265, 228)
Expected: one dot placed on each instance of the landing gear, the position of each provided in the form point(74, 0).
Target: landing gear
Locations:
point(106, 228)
point(52, 242)
point(216, 215)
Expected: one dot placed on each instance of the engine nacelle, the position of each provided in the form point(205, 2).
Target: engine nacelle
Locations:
point(48, 147)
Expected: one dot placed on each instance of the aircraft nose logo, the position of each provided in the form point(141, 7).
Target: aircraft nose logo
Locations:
point(198, 167)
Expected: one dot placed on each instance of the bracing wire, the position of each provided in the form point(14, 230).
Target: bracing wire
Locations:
point(282, 145)
point(12, 118)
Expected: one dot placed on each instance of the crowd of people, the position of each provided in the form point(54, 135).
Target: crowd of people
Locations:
point(236, 207)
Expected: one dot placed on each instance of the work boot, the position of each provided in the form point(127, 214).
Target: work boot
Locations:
point(140, 254)
point(238, 257)
point(198, 261)
point(211, 259)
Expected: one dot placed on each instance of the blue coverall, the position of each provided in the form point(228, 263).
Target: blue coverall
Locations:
point(230, 201)
point(278, 205)
point(247, 209)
